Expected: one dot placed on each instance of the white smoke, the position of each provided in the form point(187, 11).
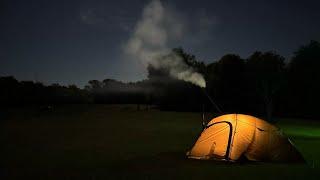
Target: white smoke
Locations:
point(150, 39)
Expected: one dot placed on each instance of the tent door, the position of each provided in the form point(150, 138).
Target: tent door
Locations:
point(226, 157)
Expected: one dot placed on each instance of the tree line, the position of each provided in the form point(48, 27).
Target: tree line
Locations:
point(264, 84)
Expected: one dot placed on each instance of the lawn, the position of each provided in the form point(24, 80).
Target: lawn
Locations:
point(119, 142)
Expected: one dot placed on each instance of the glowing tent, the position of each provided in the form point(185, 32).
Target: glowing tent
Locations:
point(235, 136)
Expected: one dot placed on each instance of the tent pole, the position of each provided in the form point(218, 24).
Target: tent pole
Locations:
point(203, 118)
point(211, 100)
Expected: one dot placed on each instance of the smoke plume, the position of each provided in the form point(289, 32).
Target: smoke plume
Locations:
point(149, 42)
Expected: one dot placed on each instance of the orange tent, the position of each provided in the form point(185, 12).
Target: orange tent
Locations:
point(234, 136)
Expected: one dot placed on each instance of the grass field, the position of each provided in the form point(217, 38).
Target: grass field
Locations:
point(118, 142)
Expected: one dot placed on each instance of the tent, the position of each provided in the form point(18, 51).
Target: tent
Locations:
point(233, 137)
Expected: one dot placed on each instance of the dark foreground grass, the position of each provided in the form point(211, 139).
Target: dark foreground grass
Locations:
point(118, 142)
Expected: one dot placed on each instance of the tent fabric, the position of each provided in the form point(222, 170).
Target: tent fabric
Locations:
point(232, 136)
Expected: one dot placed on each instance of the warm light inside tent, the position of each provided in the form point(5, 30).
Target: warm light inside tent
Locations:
point(232, 136)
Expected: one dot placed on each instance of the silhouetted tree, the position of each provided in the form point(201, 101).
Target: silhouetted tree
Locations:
point(266, 73)
point(190, 60)
point(13, 92)
point(225, 82)
point(304, 80)
point(9, 91)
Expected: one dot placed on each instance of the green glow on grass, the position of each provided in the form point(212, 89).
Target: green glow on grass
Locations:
point(301, 131)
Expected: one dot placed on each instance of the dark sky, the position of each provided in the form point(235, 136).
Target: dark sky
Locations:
point(73, 41)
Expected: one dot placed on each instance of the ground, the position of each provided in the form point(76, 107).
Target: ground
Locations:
point(119, 142)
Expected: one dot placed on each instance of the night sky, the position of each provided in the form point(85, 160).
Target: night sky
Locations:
point(73, 41)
